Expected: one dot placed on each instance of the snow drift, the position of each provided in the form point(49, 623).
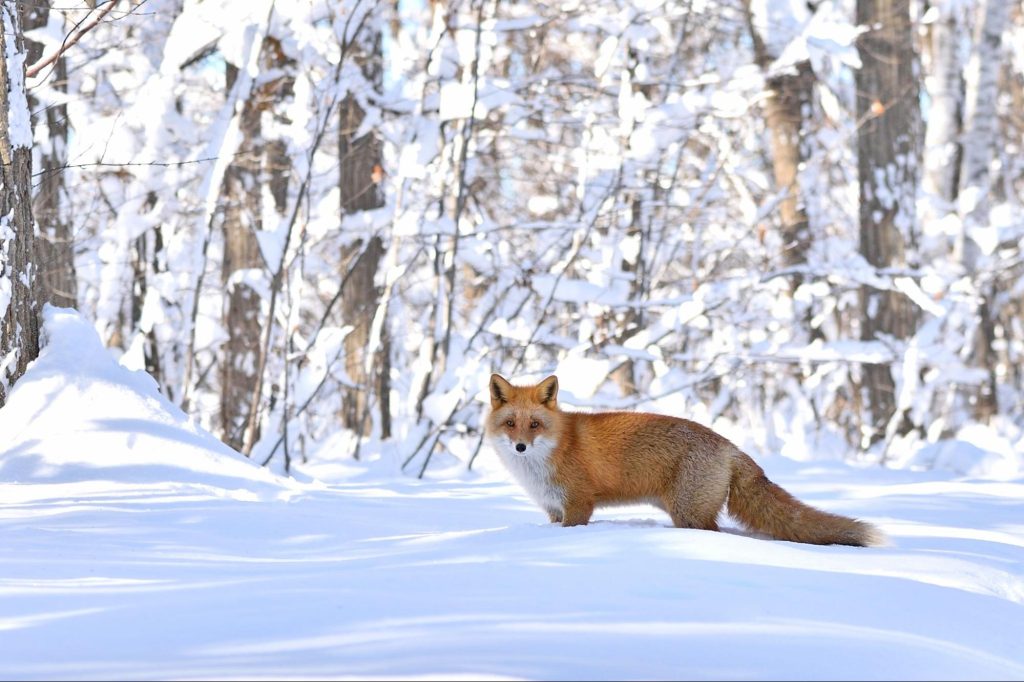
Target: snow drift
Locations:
point(78, 417)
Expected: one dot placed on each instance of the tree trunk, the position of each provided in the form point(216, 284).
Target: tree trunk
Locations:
point(20, 293)
point(54, 246)
point(243, 210)
point(942, 150)
point(887, 148)
point(788, 102)
point(787, 111)
point(146, 262)
point(631, 319)
point(360, 161)
point(359, 184)
point(789, 97)
point(242, 217)
point(244, 182)
point(980, 121)
point(359, 304)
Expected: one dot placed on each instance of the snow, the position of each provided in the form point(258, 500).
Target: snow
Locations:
point(79, 418)
point(826, 37)
point(135, 545)
point(19, 123)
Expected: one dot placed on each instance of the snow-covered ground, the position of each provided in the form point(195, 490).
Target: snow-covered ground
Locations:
point(135, 546)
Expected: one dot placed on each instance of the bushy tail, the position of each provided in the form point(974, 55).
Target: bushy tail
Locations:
point(767, 508)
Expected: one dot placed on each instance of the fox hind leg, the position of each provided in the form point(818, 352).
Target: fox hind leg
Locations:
point(684, 516)
point(696, 500)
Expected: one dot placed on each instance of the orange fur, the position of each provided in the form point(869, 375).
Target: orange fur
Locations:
point(573, 462)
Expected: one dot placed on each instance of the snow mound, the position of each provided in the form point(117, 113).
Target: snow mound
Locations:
point(976, 451)
point(77, 416)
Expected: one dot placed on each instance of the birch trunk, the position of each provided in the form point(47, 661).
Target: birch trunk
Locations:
point(945, 85)
point(980, 122)
point(980, 118)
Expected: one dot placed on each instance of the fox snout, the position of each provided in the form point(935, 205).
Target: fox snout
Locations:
point(524, 448)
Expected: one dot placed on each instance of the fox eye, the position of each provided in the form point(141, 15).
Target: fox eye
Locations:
point(534, 424)
point(510, 423)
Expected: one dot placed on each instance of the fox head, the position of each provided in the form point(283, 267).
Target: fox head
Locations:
point(524, 419)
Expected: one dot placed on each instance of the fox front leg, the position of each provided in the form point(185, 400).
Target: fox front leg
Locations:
point(554, 515)
point(577, 512)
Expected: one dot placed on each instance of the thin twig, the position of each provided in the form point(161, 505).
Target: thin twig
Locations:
point(160, 164)
point(70, 41)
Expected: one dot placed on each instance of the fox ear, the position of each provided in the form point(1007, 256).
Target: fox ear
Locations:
point(499, 390)
point(548, 391)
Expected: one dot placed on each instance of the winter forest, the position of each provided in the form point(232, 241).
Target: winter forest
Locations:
point(321, 225)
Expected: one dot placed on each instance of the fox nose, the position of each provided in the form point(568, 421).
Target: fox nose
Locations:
point(520, 447)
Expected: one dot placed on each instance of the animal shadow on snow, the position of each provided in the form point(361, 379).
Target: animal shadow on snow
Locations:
point(666, 524)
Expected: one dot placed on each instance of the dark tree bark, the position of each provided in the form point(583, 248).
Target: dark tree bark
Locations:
point(359, 184)
point(785, 108)
point(243, 210)
point(887, 149)
point(147, 262)
point(21, 297)
point(55, 242)
point(259, 163)
point(789, 98)
point(359, 304)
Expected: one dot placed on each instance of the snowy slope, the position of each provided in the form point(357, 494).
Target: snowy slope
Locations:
point(78, 418)
point(134, 546)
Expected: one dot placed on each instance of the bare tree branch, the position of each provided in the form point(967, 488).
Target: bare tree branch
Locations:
point(70, 40)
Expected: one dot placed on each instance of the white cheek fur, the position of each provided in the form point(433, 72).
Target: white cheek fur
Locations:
point(532, 469)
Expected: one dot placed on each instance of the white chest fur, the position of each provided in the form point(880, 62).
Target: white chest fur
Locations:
point(533, 470)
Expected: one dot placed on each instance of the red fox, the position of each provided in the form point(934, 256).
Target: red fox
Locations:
point(572, 462)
